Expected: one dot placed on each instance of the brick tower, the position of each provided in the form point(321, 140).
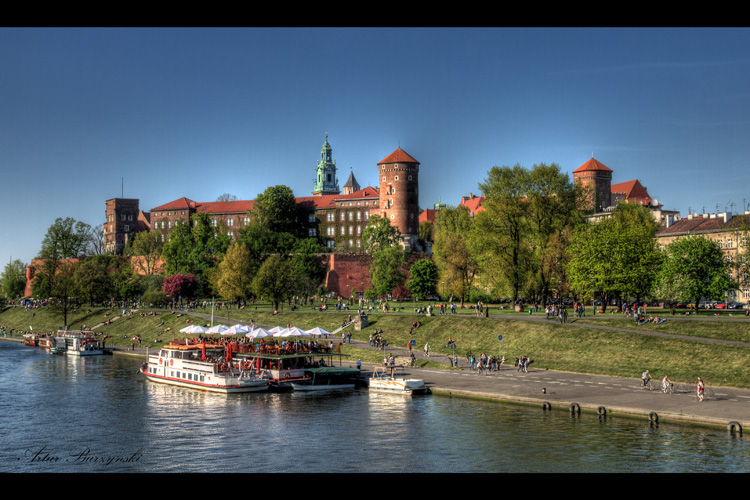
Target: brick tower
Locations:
point(399, 193)
point(599, 178)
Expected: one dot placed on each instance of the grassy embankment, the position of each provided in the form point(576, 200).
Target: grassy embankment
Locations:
point(549, 344)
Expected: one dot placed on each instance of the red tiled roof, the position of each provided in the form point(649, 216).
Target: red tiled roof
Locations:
point(428, 215)
point(329, 200)
point(225, 207)
point(398, 156)
point(473, 203)
point(700, 224)
point(178, 204)
point(592, 164)
point(633, 190)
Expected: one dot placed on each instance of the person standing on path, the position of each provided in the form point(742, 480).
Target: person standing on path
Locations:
point(701, 388)
point(427, 349)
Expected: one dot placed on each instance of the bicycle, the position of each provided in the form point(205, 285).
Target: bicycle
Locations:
point(650, 386)
point(669, 389)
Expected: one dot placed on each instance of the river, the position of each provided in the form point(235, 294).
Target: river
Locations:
point(65, 414)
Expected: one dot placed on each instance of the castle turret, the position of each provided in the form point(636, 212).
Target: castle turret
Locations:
point(598, 177)
point(399, 193)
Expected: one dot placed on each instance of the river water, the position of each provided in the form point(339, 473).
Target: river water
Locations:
point(64, 414)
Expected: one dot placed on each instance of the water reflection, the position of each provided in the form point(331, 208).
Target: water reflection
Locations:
point(104, 406)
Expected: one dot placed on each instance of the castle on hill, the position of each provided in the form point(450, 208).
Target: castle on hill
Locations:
point(337, 218)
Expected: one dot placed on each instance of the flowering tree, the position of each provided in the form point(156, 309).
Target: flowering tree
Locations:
point(180, 286)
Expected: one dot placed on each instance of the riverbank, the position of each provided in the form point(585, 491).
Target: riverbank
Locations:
point(549, 390)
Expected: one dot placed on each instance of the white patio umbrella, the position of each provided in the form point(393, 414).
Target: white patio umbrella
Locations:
point(277, 329)
point(259, 333)
point(295, 332)
point(241, 328)
point(217, 329)
point(318, 331)
point(193, 329)
point(234, 330)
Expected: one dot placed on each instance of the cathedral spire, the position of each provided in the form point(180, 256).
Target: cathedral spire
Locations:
point(325, 181)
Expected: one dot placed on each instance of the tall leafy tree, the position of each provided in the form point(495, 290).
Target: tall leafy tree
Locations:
point(617, 257)
point(423, 277)
point(147, 247)
point(234, 277)
point(454, 257)
point(551, 205)
point(196, 248)
point(13, 280)
point(379, 233)
point(276, 210)
point(699, 264)
point(501, 229)
point(275, 281)
point(387, 269)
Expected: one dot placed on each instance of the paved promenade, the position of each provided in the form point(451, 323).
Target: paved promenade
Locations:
point(619, 397)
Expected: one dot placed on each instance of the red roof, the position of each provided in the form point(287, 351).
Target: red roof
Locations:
point(178, 204)
point(633, 190)
point(398, 156)
point(473, 203)
point(428, 215)
point(225, 207)
point(592, 164)
point(329, 200)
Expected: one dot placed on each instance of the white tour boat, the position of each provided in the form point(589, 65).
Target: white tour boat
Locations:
point(383, 381)
point(81, 343)
point(203, 366)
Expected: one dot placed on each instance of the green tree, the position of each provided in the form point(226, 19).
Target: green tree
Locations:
point(452, 254)
point(13, 280)
point(379, 234)
point(551, 208)
point(617, 257)
point(196, 248)
point(501, 230)
point(699, 264)
point(423, 277)
point(275, 281)
point(387, 269)
point(93, 282)
point(66, 238)
point(235, 273)
point(147, 247)
point(276, 210)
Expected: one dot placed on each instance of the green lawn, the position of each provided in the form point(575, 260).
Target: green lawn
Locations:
point(549, 344)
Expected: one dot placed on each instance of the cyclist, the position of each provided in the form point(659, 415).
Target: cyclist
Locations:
point(666, 383)
point(646, 376)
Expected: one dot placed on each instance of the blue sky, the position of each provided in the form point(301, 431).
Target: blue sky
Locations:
point(157, 114)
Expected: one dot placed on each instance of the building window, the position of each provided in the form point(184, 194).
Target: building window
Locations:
point(343, 230)
point(343, 216)
point(351, 216)
point(351, 230)
point(311, 232)
point(331, 231)
point(126, 228)
point(246, 220)
point(330, 216)
point(230, 222)
point(359, 215)
point(169, 224)
point(311, 218)
point(367, 214)
point(214, 222)
point(331, 243)
point(230, 234)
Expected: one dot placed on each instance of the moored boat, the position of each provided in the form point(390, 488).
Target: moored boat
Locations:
point(383, 381)
point(205, 367)
point(81, 343)
point(327, 378)
point(291, 368)
point(31, 339)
